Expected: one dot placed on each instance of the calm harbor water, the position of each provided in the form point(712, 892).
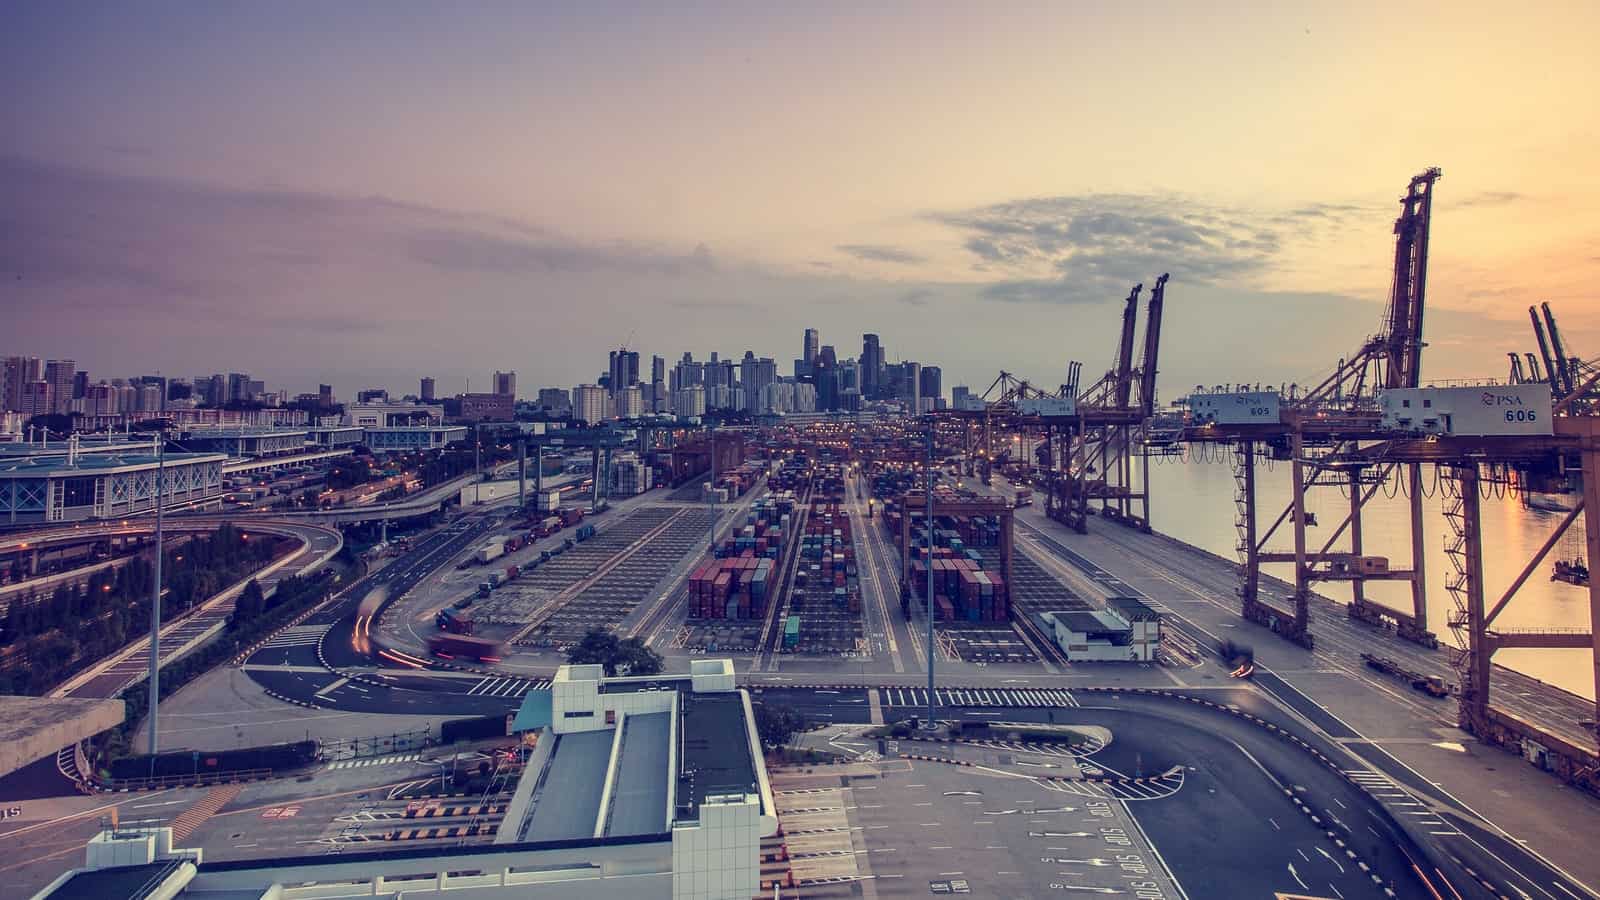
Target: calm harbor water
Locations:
point(1194, 502)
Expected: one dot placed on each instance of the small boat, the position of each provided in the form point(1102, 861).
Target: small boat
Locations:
point(1572, 572)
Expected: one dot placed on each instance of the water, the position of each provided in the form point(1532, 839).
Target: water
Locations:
point(1193, 501)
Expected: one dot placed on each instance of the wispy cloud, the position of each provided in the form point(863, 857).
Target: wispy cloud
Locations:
point(1073, 249)
point(882, 253)
point(916, 297)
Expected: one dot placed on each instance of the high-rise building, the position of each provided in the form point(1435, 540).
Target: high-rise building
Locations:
point(325, 396)
point(913, 383)
point(690, 401)
point(238, 388)
point(17, 372)
point(754, 376)
point(826, 356)
point(218, 391)
point(624, 369)
point(429, 389)
point(35, 399)
point(590, 403)
point(80, 385)
point(60, 374)
point(555, 400)
point(630, 402)
point(658, 369)
point(871, 366)
point(930, 388)
point(505, 383)
point(810, 348)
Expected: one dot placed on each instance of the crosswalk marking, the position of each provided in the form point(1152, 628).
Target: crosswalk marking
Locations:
point(298, 636)
point(1020, 697)
point(375, 761)
point(506, 686)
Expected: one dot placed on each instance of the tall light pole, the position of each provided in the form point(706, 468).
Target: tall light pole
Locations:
point(927, 471)
point(155, 600)
point(711, 495)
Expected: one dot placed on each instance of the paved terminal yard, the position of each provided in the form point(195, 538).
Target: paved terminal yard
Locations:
point(596, 583)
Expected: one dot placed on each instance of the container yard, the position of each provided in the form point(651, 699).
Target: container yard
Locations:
point(592, 580)
point(729, 595)
point(823, 613)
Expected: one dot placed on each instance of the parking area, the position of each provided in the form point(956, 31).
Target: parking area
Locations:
point(916, 828)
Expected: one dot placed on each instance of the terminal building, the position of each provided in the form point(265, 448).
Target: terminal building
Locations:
point(77, 487)
point(410, 438)
point(241, 442)
point(644, 788)
point(1126, 630)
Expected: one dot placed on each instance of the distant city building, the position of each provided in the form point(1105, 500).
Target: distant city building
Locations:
point(325, 395)
point(689, 402)
point(591, 403)
point(505, 383)
point(630, 402)
point(929, 386)
point(428, 390)
point(962, 398)
point(555, 400)
point(16, 372)
point(658, 369)
point(372, 395)
point(495, 407)
point(810, 348)
point(60, 373)
point(624, 369)
point(80, 384)
point(871, 366)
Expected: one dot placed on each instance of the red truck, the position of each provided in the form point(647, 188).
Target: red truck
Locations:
point(461, 646)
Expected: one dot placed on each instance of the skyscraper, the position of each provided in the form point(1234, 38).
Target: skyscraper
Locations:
point(505, 383)
point(658, 369)
point(428, 390)
point(325, 396)
point(809, 351)
point(871, 366)
point(931, 389)
point(590, 403)
point(624, 369)
point(60, 372)
point(17, 372)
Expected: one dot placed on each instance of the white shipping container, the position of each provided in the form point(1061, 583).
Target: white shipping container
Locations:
point(1237, 408)
point(548, 500)
point(1512, 409)
point(1048, 406)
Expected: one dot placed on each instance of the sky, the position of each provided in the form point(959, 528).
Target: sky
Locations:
point(363, 193)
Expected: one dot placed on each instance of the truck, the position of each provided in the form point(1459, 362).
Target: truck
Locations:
point(1432, 685)
point(463, 646)
point(452, 621)
point(549, 526)
point(494, 549)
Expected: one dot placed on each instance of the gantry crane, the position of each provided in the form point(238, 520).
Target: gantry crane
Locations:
point(1317, 433)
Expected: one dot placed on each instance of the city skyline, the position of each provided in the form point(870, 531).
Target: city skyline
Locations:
point(316, 239)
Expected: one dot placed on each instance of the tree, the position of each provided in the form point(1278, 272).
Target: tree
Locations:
point(776, 725)
point(603, 648)
point(250, 604)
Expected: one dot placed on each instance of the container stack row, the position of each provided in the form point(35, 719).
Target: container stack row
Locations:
point(740, 580)
point(828, 557)
point(962, 590)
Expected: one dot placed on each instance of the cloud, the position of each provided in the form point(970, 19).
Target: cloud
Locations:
point(916, 297)
point(459, 249)
point(1490, 198)
point(1076, 249)
point(882, 253)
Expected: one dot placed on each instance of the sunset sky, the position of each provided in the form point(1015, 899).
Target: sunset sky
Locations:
point(368, 192)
